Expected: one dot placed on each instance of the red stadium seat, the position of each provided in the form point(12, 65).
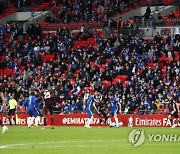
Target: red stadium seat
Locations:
point(106, 84)
point(123, 78)
point(72, 82)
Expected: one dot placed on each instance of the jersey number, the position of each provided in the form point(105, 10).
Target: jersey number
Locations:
point(47, 94)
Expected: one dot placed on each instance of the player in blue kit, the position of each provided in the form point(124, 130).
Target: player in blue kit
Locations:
point(31, 104)
point(90, 104)
point(115, 106)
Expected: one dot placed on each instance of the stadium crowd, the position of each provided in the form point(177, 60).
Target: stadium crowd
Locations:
point(150, 83)
point(88, 11)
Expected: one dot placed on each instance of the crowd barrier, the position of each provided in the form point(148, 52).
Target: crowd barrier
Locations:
point(79, 119)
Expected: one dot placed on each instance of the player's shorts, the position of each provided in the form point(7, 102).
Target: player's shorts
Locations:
point(33, 112)
point(113, 111)
point(89, 113)
point(48, 107)
point(102, 114)
point(174, 114)
point(11, 112)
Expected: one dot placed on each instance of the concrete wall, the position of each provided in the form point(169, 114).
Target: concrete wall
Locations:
point(151, 32)
point(25, 18)
point(141, 11)
point(20, 16)
point(39, 17)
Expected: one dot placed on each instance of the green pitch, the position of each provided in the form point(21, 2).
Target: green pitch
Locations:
point(79, 140)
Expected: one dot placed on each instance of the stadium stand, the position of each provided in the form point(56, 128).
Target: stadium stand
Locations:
point(66, 54)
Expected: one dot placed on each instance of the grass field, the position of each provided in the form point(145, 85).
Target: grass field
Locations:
point(79, 140)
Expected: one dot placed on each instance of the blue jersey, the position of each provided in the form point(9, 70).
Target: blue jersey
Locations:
point(114, 106)
point(113, 102)
point(89, 102)
point(31, 102)
point(89, 105)
point(32, 106)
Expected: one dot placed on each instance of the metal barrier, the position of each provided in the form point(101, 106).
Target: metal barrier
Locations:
point(144, 32)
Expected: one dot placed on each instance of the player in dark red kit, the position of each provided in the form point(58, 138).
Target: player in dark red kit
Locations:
point(48, 98)
point(101, 107)
point(2, 100)
point(174, 113)
point(102, 112)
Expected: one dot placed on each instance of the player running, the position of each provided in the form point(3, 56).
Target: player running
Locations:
point(102, 109)
point(174, 113)
point(32, 107)
point(115, 105)
point(90, 104)
point(86, 96)
point(12, 109)
point(4, 128)
point(48, 98)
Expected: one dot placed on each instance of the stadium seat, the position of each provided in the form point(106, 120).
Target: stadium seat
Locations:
point(106, 84)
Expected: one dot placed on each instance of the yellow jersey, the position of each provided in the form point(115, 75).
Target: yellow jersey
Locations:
point(12, 104)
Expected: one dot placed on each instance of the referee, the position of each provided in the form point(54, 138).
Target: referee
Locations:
point(12, 109)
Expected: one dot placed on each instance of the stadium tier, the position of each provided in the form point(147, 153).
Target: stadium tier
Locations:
point(86, 49)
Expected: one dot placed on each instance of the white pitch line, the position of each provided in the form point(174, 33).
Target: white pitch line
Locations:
point(121, 144)
point(74, 146)
point(62, 142)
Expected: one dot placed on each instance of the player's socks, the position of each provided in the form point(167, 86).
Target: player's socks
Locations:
point(117, 123)
point(10, 121)
point(109, 121)
point(4, 129)
point(1, 123)
point(14, 120)
point(30, 122)
point(88, 122)
point(100, 121)
point(172, 124)
point(105, 120)
point(52, 122)
point(44, 121)
point(37, 119)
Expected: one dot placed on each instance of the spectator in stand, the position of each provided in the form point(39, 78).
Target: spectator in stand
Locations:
point(153, 108)
point(48, 18)
point(171, 15)
point(2, 7)
point(120, 23)
point(147, 15)
point(130, 4)
point(158, 38)
point(148, 10)
point(37, 2)
point(112, 23)
point(122, 6)
point(121, 55)
point(131, 21)
point(89, 11)
point(160, 20)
